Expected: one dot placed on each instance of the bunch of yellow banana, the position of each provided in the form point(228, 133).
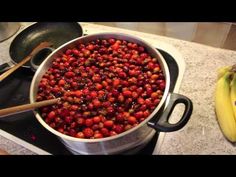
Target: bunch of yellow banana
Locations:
point(225, 101)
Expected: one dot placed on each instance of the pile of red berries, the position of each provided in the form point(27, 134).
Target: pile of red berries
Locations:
point(106, 87)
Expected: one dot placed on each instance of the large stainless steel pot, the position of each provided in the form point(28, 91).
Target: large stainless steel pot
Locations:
point(135, 137)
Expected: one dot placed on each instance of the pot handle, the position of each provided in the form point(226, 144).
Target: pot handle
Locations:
point(5, 66)
point(162, 123)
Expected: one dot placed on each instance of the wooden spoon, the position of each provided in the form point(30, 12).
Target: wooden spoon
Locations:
point(26, 59)
point(27, 107)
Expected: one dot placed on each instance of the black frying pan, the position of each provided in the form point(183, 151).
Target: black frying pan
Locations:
point(57, 33)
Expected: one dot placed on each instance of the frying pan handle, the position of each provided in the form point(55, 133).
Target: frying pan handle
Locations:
point(162, 124)
point(5, 66)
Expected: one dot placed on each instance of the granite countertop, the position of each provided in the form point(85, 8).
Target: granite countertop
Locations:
point(202, 134)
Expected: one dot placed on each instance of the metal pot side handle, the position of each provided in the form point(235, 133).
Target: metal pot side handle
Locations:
point(162, 124)
point(6, 66)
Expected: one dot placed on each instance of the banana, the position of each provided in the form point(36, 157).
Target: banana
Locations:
point(233, 94)
point(224, 109)
point(221, 71)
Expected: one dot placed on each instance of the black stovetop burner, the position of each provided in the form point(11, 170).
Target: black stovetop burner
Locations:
point(14, 91)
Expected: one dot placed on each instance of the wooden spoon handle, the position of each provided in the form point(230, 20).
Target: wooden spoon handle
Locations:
point(15, 67)
point(27, 107)
point(26, 59)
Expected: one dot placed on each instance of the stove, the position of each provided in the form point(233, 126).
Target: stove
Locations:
point(24, 129)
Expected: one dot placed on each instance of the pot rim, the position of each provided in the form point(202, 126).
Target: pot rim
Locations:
point(164, 68)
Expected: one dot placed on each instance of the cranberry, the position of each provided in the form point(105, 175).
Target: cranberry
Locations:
point(132, 120)
point(150, 66)
point(149, 91)
point(69, 74)
point(104, 83)
point(89, 122)
point(125, 83)
point(127, 93)
point(146, 113)
point(52, 82)
point(154, 76)
point(61, 82)
point(90, 106)
point(143, 108)
point(106, 104)
point(110, 110)
point(98, 135)
point(53, 125)
point(122, 75)
point(111, 41)
point(127, 127)
point(93, 94)
point(98, 86)
point(111, 99)
point(86, 91)
point(74, 84)
point(118, 129)
point(156, 69)
point(139, 90)
point(141, 49)
point(128, 102)
point(72, 132)
point(75, 52)
point(108, 123)
point(143, 55)
point(86, 114)
point(90, 47)
point(132, 80)
point(116, 83)
point(88, 132)
point(51, 115)
point(139, 114)
point(154, 95)
point(86, 53)
point(113, 133)
point(133, 88)
point(141, 100)
point(61, 130)
point(134, 95)
point(132, 72)
point(68, 52)
point(126, 115)
point(120, 117)
point(156, 101)
point(58, 120)
point(78, 93)
point(95, 127)
point(105, 131)
point(162, 85)
point(80, 135)
point(121, 98)
point(74, 107)
point(115, 46)
point(73, 125)
point(81, 121)
point(68, 119)
point(148, 102)
point(96, 119)
point(115, 92)
point(96, 78)
point(97, 103)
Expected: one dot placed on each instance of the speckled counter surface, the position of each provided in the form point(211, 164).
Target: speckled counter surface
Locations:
point(202, 134)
